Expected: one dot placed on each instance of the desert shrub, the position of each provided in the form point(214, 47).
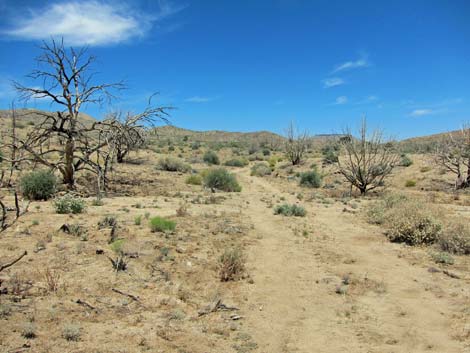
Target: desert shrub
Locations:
point(170, 164)
point(236, 162)
point(330, 154)
point(38, 185)
point(455, 238)
point(425, 169)
point(443, 258)
point(377, 212)
point(210, 157)
point(69, 204)
point(138, 220)
point(405, 161)
point(71, 332)
point(221, 179)
point(195, 145)
point(410, 183)
point(231, 264)
point(290, 210)
point(29, 330)
point(160, 224)
point(107, 221)
point(194, 180)
point(413, 223)
point(266, 152)
point(260, 169)
point(311, 179)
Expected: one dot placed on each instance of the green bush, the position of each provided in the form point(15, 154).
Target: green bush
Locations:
point(312, 179)
point(236, 162)
point(410, 183)
point(194, 180)
point(170, 164)
point(405, 161)
point(260, 169)
point(221, 179)
point(160, 224)
point(290, 210)
point(330, 154)
point(210, 157)
point(69, 204)
point(38, 185)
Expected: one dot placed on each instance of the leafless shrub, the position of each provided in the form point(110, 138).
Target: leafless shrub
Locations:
point(296, 144)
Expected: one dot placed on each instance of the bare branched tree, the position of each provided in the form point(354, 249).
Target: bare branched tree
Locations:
point(366, 161)
point(67, 81)
point(296, 144)
point(130, 131)
point(454, 155)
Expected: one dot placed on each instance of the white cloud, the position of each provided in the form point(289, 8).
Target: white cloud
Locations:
point(332, 82)
point(341, 100)
point(199, 99)
point(422, 112)
point(87, 22)
point(348, 65)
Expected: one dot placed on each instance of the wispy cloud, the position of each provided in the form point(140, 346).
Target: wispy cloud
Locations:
point(88, 22)
point(341, 100)
point(333, 82)
point(199, 99)
point(422, 112)
point(349, 65)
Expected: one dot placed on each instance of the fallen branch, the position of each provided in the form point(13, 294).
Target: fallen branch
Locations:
point(85, 304)
point(450, 274)
point(133, 297)
point(8, 264)
point(216, 306)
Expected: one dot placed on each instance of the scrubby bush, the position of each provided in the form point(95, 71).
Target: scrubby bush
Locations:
point(221, 179)
point(405, 161)
point(266, 151)
point(195, 145)
point(260, 169)
point(406, 220)
point(38, 185)
point(456, 238)
point(410, 183)
point(210, 157)
point(69, 204)
point(290, 210)
point(160, 224)
point(330, 154)
point(231, 264)
point(194, 180)
point(170, 164)
point(71, 332)
point(236, 162)
point(311, 179)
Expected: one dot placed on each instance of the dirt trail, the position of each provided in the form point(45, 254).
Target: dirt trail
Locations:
point(292, 305)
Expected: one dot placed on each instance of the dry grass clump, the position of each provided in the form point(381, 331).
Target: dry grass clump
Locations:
point(260, 169)
point(455, 238)
point(194, 180)
point(171, 164)
point(71, 332)
point(407, 220)
point(231, 264)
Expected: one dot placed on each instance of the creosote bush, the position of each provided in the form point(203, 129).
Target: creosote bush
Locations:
point(69, 204)
point(160, 224)
point(231, 264)
point(210, 157)
point(221, 179)
point(38, 185)
point(236, 162)
point(290, 210)
point(260, 169)
point(171, 164)
point(194, 180)
point(311, 179)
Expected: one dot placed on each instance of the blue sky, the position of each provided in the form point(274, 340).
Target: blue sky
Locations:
point(251, 65)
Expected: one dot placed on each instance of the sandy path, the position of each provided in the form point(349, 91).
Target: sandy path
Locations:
point(292, 305)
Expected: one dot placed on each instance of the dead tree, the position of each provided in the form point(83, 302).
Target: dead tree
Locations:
point(67, 81)
point(296, 144)
point(130, 131)
point(454, 155)
point(365, 162)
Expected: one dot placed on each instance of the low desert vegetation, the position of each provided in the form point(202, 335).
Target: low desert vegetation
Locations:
point(211, 158)
point(236, 162)
point(38, 185)
point(171, 164)
point(311, 179)
point(221, 179)
point(290, 210)
point(160, 224)
point(231, 264)
point(69, 204)
point(260, 169)
point(194, 179)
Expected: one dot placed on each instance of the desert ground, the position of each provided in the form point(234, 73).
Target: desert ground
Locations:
point(330, 281)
